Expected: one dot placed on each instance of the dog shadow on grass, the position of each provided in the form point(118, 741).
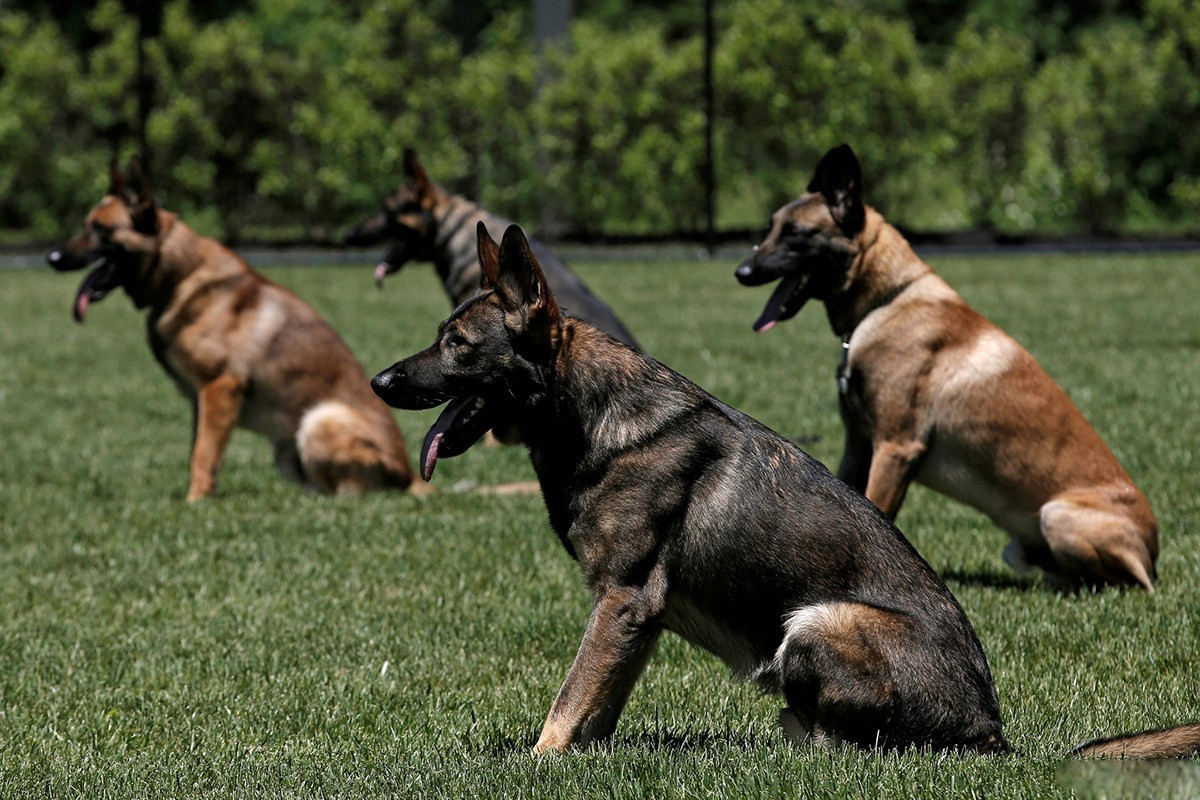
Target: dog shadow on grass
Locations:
point(993, 579)
point(656, 741)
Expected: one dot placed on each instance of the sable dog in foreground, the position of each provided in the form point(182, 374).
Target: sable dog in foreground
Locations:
point(243, 350)
point(422, 221)
point(686, 515)
point(931, 391)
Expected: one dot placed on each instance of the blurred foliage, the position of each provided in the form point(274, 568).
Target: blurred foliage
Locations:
point(291, 115)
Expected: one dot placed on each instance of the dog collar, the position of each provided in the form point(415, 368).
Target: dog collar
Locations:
point(843, 370)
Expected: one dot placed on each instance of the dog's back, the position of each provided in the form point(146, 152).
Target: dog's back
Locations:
point(458, 266)
point(422, 221)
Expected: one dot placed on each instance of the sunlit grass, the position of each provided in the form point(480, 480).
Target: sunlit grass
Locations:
point(274, 643)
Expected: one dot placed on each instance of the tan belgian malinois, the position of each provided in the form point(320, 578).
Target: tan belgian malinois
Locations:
point(931, 391)
point(686, 515)
point(243, 350)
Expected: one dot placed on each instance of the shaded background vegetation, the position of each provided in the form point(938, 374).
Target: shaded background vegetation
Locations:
point(287, 118)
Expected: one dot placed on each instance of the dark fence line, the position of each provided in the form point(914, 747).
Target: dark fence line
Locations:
point(727, 245)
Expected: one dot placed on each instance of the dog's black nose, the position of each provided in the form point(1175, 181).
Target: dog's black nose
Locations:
point(382, 382)
point(385, 383)
point(745, 272)
point(54, 258)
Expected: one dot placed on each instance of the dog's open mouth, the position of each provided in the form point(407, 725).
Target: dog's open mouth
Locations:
point(788, 298)
point(460, 425)
point(102, 279)
point(392, 260)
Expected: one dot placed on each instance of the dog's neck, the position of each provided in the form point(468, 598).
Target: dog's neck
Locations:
point(182, 263)
point(884, 266)
point(597, 403)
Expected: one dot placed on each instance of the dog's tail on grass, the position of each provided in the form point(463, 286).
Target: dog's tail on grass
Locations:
point(1182, 741)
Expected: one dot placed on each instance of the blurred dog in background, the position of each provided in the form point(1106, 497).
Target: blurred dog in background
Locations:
point(243, 350)
point(423, 222)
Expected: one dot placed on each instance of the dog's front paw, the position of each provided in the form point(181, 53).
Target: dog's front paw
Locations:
point(199, 491)
point(549, 742)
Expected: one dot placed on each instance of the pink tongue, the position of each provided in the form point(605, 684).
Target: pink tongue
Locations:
point(81, 306)
point(783, 292)
point(433, 439)
point(429, 453)
point(381, 270)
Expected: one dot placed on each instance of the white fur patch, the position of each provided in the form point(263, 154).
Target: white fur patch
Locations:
point(309, 432)
point(988, 357)
point(269, 318)
point(804, 620)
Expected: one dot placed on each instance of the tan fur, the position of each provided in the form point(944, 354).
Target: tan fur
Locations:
point(934, 392)
point(961, 406)
point(1182, 741)
point(250, 353)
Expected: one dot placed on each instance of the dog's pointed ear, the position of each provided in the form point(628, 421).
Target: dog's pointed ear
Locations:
point(489, 257)
point(521, 283)
point(142, 205)
point(116, 181)
point(839, 179)
point(426, 190)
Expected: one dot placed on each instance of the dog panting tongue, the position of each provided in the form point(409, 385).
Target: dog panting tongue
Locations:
point(95, 286)
point(433, 439)
point(82, 301)
point(381, 271)
point(778, 302)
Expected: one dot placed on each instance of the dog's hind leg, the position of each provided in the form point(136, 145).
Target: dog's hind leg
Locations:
point(835, 674)
point(620, 637)
point(340, 452)
point(1094, 544)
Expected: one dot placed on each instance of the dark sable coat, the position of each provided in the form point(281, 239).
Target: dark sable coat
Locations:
point(423, 222)
point(686, 515)
point(244, 351)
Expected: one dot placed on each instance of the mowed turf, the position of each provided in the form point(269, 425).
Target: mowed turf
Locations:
point(271, 643)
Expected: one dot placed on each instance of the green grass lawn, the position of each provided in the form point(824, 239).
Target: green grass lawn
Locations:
point(272, 643)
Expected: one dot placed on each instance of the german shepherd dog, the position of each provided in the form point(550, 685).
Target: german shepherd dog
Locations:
point(686, 515)
point(422, 221)
point(243, 350)
point(930, 390)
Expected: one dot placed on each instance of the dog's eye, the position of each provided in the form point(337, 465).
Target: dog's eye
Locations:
point(100, 229)
point(455, 339)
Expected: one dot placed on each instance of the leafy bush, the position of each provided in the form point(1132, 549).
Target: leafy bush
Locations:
point(293, 114)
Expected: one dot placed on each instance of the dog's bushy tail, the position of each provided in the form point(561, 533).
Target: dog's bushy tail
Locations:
point(1182, 741)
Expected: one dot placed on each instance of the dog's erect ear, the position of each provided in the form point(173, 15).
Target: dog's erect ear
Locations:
point(839, 179)
point(141, 196)
point(489, 257)
point(521, 283)
point(116, 181)
point(424, 188)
